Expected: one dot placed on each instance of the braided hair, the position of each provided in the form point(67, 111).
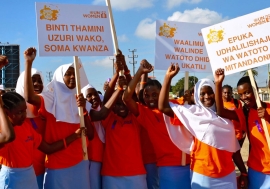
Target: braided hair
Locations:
point(11, 100)
point(227, 87)
point(153, 82)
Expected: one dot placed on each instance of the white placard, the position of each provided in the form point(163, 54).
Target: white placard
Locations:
point(239, 44)
point(182, 43)
point(73, 30)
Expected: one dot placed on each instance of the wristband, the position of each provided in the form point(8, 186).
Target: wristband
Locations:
point(127, 72)
point(244, 174)
point(120, 89)
point(85, 113)
point(65, 144)
point(143, 82)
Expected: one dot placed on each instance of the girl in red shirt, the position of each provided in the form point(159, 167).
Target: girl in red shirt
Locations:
point(16, 156)
point(38, 122)
point(173, 164)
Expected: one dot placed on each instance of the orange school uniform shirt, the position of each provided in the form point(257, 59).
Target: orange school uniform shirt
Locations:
point(237, 126)
point(122, 154)
point(19, 153)
point(95, 148)
point(57, 130)
point(207, 160)
point(167, 153)
point(259, 156)
point(39, 157)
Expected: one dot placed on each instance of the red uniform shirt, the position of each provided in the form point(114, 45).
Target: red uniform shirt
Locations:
point(19, 153)
point(166, 152)
point(39, 157)
point(57, 130)
point(259, 156)
point(95, 148)
point(122, 154)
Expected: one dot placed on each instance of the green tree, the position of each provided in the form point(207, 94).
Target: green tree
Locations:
point(179, 86)
point(254, 72)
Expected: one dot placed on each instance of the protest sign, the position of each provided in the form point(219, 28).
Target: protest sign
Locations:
point(182, 43)
point(73, 30)
point(239, 44)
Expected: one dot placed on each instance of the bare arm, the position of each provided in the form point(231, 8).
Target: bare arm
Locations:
point(29, 94)
point(60, 144)
point(237, 158)
point(163, 100)
point(7, 133)
point(221, 111)
point(105, 110)
point(127, 97)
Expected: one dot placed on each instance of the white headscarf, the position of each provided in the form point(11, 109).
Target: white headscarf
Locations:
point(30, 111)
point(202, 123)
point(59, 99)
point(98, 126)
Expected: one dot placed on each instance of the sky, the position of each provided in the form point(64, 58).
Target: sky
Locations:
point(135, 27)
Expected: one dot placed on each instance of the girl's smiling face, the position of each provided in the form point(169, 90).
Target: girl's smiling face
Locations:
point(207, 96)
point(150, 96)
point(246, 94)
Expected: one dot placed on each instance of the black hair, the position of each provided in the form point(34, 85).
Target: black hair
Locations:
point(227, 87)
point(152, 82)
point(99, 92)
point(244, 80)
point(11, 100)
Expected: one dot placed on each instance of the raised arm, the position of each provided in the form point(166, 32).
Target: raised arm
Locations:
point(105, 110)
point(29, 94)
point(221, 111)
point(145, 67)
point(163, 100)
point(7, 133)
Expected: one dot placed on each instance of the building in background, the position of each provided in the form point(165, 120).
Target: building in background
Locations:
point(10, 73)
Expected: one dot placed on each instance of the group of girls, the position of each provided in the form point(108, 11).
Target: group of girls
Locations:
point(137, 137)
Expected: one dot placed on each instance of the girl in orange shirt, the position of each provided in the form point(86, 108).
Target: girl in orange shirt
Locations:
point(211, 154)
point(259, 155)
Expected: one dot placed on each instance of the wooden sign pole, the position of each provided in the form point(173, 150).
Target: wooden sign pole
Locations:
point(78, 91)
point(258, 102)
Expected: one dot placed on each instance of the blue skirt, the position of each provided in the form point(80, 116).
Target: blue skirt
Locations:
point(40, 180)
point(199, 181)
point(152, 178)
point(75, 177)
point(95, 176)
point(258, 180)
point(17, 178)
point(125, 182)
point(174, 177)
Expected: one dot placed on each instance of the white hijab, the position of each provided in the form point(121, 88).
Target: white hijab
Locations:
point(59, 99)
point(98, 125)
point(202, 123)
point(30, 111)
